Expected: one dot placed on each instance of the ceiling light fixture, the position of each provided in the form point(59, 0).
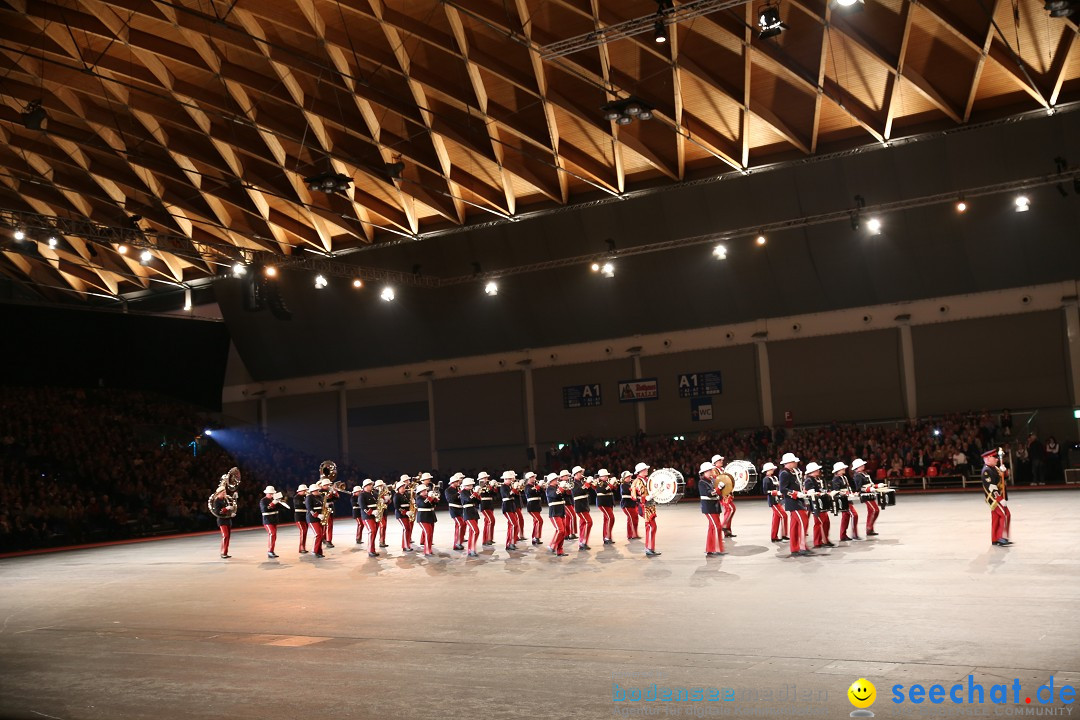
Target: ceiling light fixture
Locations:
point(769, 22)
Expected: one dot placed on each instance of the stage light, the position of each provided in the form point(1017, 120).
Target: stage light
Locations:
point(720, 252)
point(238, 270)
point(660, 32)
point(20, 235)
point(769, 23)
point(358, 283)
point(271, 271)
point(874, 226)
point(595, 267)
point(492, 288)
point(937, 432)
point(608, 270)
point(387, 294)
point(1022, 203)
point(145, 256)
point(208, 432)
point(320, 282)
point(53, 242)
point(122, 249)
point(961, 206)
point(760, 240)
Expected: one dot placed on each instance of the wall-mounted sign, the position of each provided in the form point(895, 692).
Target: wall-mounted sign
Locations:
point(701, 409)
point(700, 384)
point(575, 396)
point(638, 390)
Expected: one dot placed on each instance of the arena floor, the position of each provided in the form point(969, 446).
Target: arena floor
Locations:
point(166, 629)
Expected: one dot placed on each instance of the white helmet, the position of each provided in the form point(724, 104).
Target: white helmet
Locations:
point(788, 458)
point(812, 467)
point(640, 466)
point(838, 466)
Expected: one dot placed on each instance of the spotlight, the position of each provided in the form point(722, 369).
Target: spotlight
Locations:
point(624, 112)
point(270, 271)
point(595, 266)
point(491, 288)
point(769, 23)
point(1022, 203)
point(1061, 8)
point(35, 117)
point(358, 283)
point(329, 182)
point(387, 294)
point(20, 235)
point(53, 242)
point(320, 282)
point(848, 5)
point(239, 270)
point(937, 432)
point(145, 256)
point(874, 226)
point(122, 249)
point(720, 252)
point(208, 432)
point(608, 270)
point(961, 206)
point(760, 240)
point(660, 32)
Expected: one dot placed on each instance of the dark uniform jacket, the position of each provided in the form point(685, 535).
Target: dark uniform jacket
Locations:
point(269, 509)
point(789, 484)
point(709, 502)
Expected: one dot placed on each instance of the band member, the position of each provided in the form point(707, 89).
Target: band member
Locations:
point(639, 491)
point(487, 507)
point(571, 514)
point(223, 510)
point(534, 494)
point(864, 484)
point(382, 490)
point(629, 506)
point(556, 499)
point(519, 488)
point(368, 504)
point(710, 508)
point(330, 496)
point(425, 515)
point(581, 507)
point(358, 513)
point(791, 489)
point(770, 485)
point(401, 512)
point(469, 501)
point(842, 485)
point(509, 497)
point(299, 505)
point(314, 504)
point(605, 501)
point(453, 501)
point(728, 501)
point(993, 481)
point(814, 488)
point(269, 505)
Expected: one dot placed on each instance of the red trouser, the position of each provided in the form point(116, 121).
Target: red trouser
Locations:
point(406, 532)
point(821, 528)
point(872, 511)
point(779, 520)
point(382, 530)
point(512, 531)
point(459, 531)
point(609, 520)
point(714, 540)
point(797, 530)
point(369, 522)
point(329, 529)
point(585, 525)
point(489, 526)
point(631, 522)
point(226, 533)
point(520, 524)
point(473, 527)
point(729, 511)
point(650, 532)
point(302, 527)
point(1000, 520)
point(427, 530)
point(538, 524)
point(570, 520)
point(317, 531)
point(560, 534)
point(853, 515)
point(271, 537)
point(359, 530)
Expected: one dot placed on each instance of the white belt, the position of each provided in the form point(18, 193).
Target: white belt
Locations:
point(373, 506)
point(581, 497)
point(469, 505)
point(318, 507)
point(271, 513)
point(453, 505)
point(425, 509)
point(557, 502)
point(509, 499)
point(600, 493)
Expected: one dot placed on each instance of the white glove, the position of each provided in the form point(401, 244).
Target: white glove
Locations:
point(1004, 503)
point(800, 495)
point(881, 485)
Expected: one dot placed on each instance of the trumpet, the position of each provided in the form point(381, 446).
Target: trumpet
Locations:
point(566, 485)
point(278, 499)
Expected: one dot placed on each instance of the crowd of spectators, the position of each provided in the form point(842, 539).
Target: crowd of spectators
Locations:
point(82, 466)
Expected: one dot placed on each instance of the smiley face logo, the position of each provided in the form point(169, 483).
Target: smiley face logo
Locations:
point(862, 693)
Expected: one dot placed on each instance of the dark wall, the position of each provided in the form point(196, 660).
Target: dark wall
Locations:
point(180, 357)
point(480, 418)
point(737, 406)
point(306, 422)
point(1019, 361)
point(555, 423)
point(854, 376)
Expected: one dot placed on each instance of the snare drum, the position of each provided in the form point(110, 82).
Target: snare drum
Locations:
point(842, 503)
point(825, 502)
point(887, 497)
point(867, 497)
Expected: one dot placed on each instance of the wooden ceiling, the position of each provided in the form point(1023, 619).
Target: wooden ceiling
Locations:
point(204, 117)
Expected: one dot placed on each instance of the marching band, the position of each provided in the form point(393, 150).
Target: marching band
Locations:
point(793, 496)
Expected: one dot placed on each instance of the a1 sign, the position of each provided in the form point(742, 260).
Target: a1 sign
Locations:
point(700, 384)
point(575, 396)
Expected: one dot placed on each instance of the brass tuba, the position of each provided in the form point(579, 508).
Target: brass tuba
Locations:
point(328, 470)
point(230, 481)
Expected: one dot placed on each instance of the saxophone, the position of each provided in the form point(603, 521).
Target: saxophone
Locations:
point(380, 506)
point(640, 489)
point(410, 491)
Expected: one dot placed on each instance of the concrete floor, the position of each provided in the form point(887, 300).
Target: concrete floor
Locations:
point(166, 629)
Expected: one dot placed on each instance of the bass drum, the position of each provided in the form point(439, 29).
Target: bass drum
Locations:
point(666, 485)
point(744, 473)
